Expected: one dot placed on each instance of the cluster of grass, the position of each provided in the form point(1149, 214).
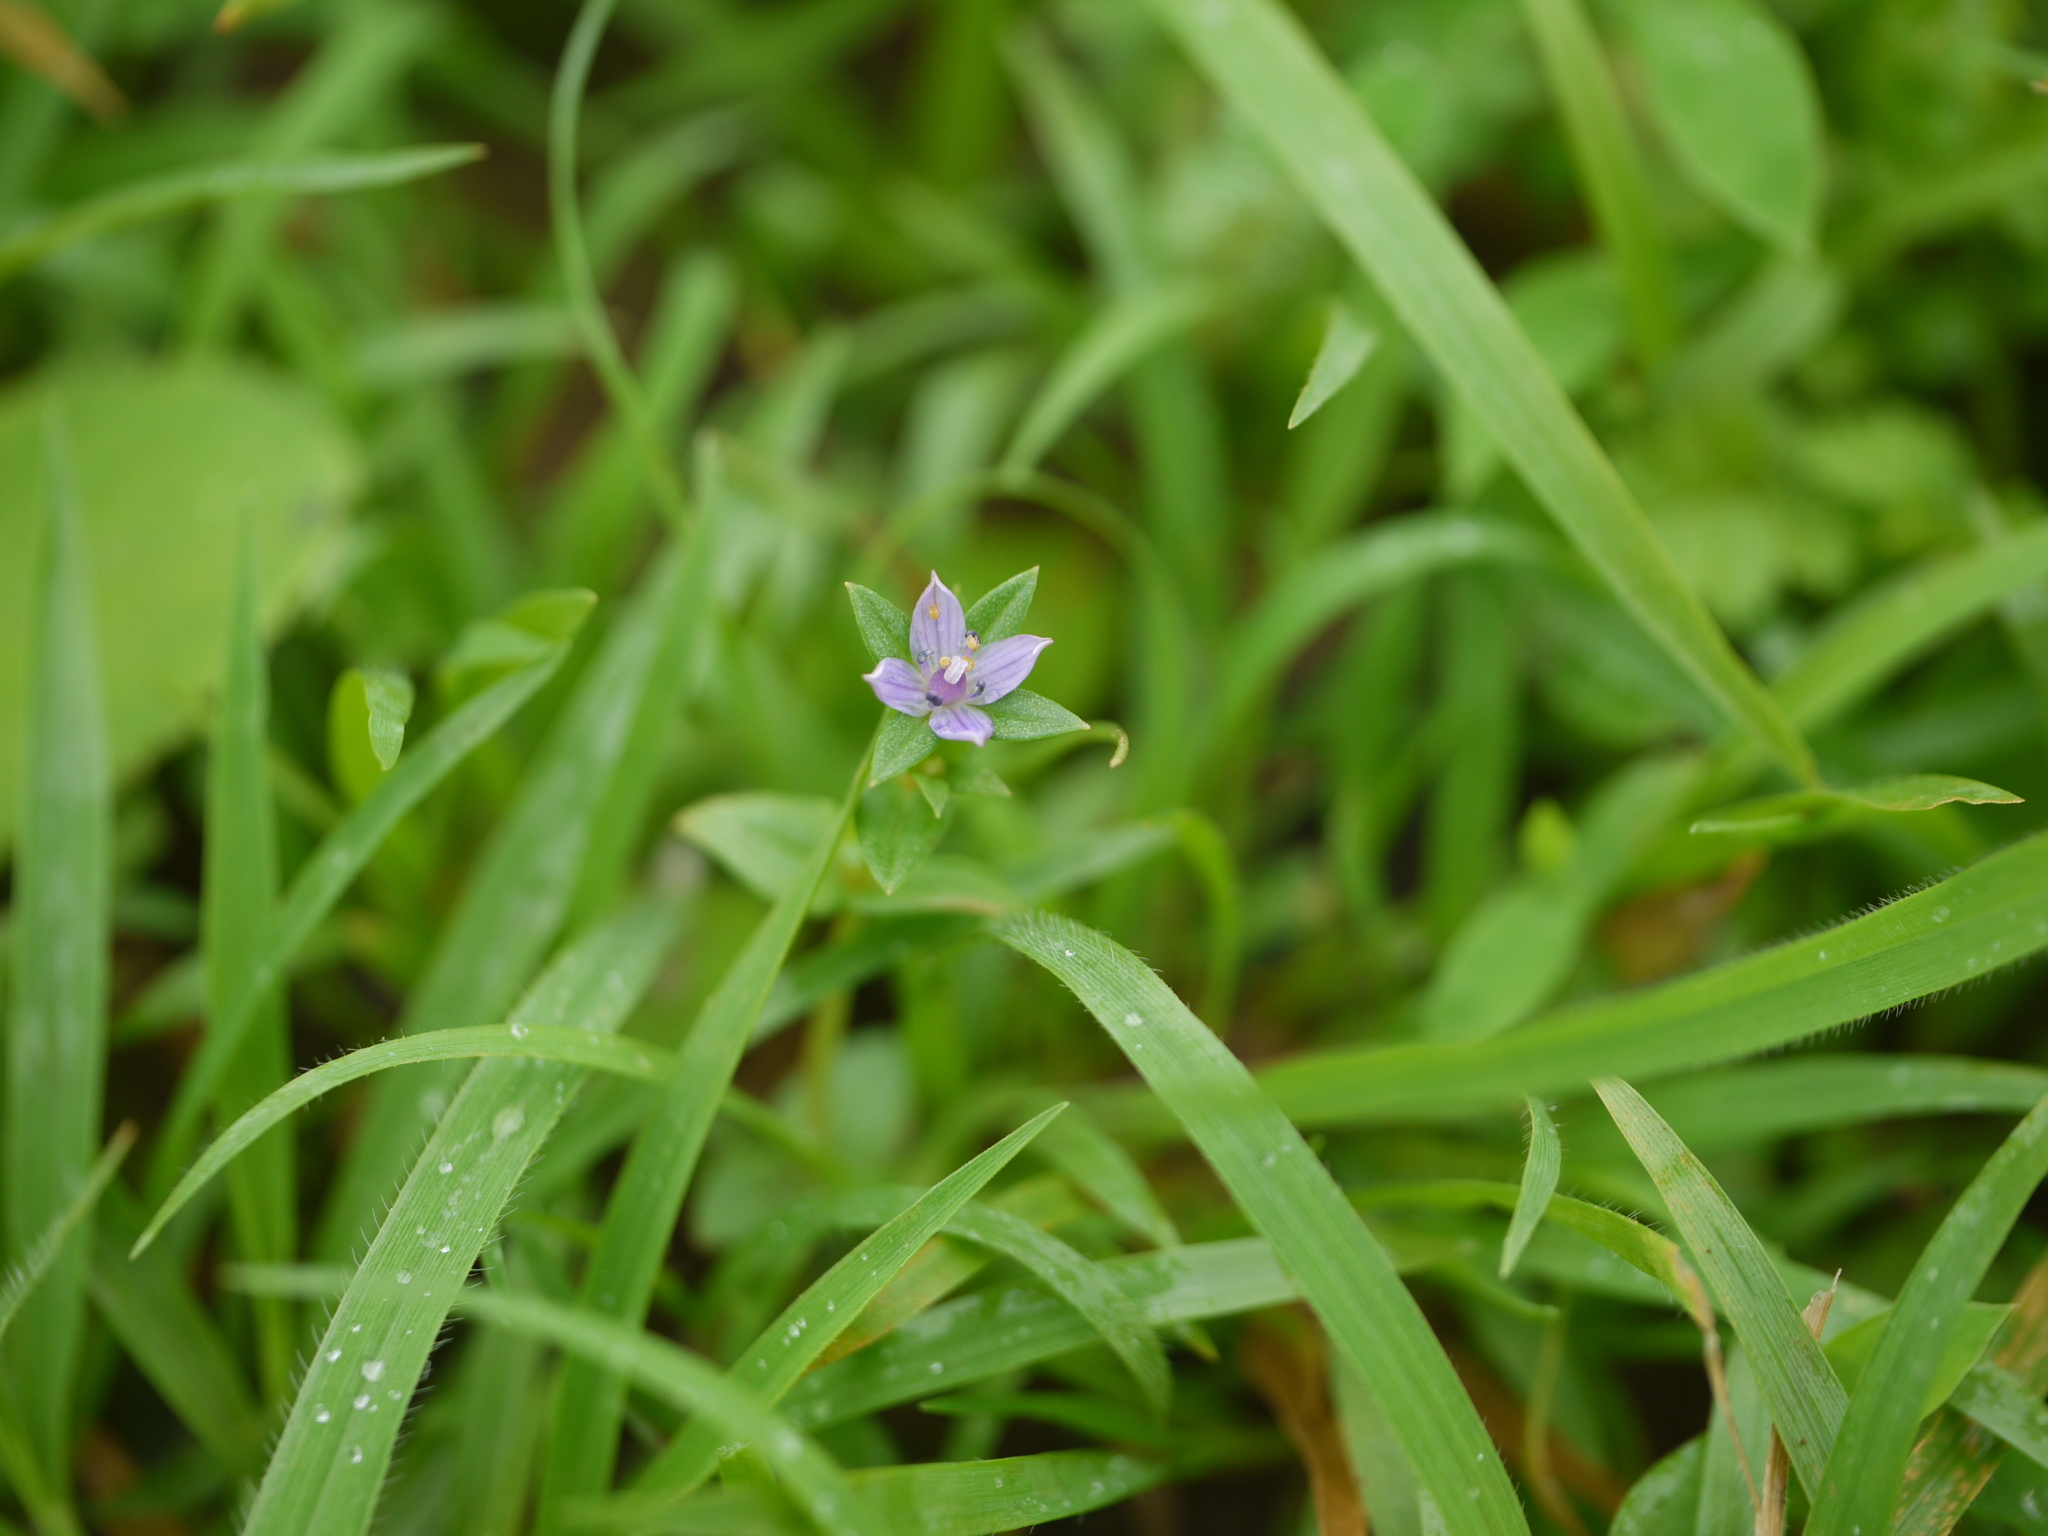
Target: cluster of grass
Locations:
point(1476, 992)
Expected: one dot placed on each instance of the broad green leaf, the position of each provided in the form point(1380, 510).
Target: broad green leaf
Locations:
point(56, 1018)
point(898, 829)
point(1119, 336)
point(239, 890)
point(519, 890)
point(1610, 170)
point(1539, 1183)
point(1737, 104)
point(1287, 1193)
point(1991, 915)
point(329, 1465)
point(1345, 347)
point(1265, 65)
point(1805, 1397)
point(178, 191)
point(1026, 716)
point(1869, 1461)
point(366, 717)
point(687, 1382)
point(641, 1213)
point(790, 1345)
point(172, 462)
point(1000, 612)
point(327, 873)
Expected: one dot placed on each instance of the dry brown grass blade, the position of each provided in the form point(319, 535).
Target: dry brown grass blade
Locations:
point(1955, 1457)
point(35, 40)
point(1770, 1513)
point(1286, 1360)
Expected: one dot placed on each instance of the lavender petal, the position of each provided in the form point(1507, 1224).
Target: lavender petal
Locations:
point(938, 626)
point(1001, 668)
point(962, 722)
point(897, 684)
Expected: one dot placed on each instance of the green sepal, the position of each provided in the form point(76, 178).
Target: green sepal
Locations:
point(903, 742)
point(1002, 609)
point(1026, 716)
point(884, 628)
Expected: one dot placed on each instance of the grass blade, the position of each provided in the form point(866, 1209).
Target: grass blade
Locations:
point(1609, 170)
point(327, 873)
point(1960, 929)
point(57, 1022)
point(329, 1465)
point(795, 1340)
point(1279, 1184)
point(689, 1383)
point(1346, 345)
point(641, 1214)
point(239, 883)
point(41, 1254)
point(1806, 1400)
point(1265, 65)
point(518, 892)
point(161, 196)
point(1539, 1183)
point(1867, 1469)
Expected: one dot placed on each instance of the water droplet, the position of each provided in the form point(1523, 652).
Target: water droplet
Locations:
point(1941, 914)
point(372, 1370)
point(518, 1031)
point(405, 1277)
point(937, 1367)
point(356, 1456)
point(507, 1123)
point(362, 1400)
point(333, 1355)
point(1068, 953)
point(447, 1167)
point(1134, 1019)
point(320, 1413)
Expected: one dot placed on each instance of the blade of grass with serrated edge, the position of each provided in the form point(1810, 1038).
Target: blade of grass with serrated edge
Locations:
point(641, 1214)
point(1960, 929)
point(1289, 1196)
point(529, 1042)
point(687, 1382)
point(1864, 1474)
point(329, 1465)
point(517, 892)
point(56, 1027)
point(37, 1258)
point(1805, 1397)
point(1539, 1183)
point(807, 1326)
point(160, 196)
point(1610, 170)
point(326, 874)
point(1263, 63)
point(238, 886)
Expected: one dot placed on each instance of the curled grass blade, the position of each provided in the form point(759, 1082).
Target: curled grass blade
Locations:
point(807, 1326)
point(1806, 1400)
point(327, 873)
point(1539, 1183)
point(1868, 1466)
point(330, 1462)
point(641, 1214)
point(1264, 64)
point(690, 1384)
point(161, 196)
point(1289, 1196)
point(56, 1022)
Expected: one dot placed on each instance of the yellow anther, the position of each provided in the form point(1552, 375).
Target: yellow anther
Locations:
point(973, 643)
point(933, 610)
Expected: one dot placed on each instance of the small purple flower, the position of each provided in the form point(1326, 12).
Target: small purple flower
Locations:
point(950, 670)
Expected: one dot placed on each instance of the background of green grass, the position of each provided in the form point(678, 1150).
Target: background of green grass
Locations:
point(1548, 495)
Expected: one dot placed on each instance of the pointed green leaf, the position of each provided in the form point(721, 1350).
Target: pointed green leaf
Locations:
point(884, 628)
point(1026, 716)
point(1539, 1183)
point(1345, 347)
point(1000, 612)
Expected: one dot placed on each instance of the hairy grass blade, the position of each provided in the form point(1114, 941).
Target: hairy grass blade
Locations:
point(1539, 1183)
point(35, 1262)
point(1868, 1466)
point(329, 1466)
point(1265, 65)
point(1806, 1400)
point(56, 1024)
point(1278, 1182)
point(807, 1326)
point(619, 1279)
point(688, 1383)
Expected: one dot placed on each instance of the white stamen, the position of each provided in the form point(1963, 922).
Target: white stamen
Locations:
point(957, 667)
